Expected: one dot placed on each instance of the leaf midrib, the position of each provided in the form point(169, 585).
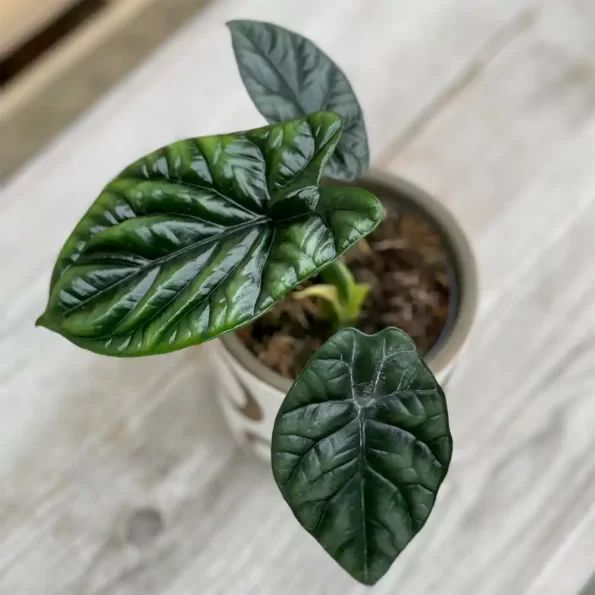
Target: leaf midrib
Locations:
point(191, 184)
point(228, 232)
point(169, 257)
point(292, 93)
point(362, 465)
point(349, 122)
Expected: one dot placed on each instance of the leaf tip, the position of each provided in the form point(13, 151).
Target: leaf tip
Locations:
point(234, 26)
point(41, 321)
point(237, 23)
point(365, 579)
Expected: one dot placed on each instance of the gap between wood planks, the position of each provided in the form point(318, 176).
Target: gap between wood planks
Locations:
point(493, 47)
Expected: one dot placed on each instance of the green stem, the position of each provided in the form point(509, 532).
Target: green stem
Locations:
point(351, 295)
point(337, 273)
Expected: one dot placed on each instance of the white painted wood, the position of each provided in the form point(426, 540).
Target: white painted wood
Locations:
point(521, 400)
point(511, 115)
point(521, 409)
point(573, 561)
point(93, 447)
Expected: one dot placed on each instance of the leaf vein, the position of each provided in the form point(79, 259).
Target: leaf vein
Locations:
point(309, 450)
point(167, 258)
point(425, 447)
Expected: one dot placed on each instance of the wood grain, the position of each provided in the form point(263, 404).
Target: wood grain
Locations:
point(521, 407)
point(521, 400)
point(513, 116)
point(119, 477)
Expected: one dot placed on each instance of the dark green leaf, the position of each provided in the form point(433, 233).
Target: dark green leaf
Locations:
point(288, 76)
point(202, 236)
point(360, 447)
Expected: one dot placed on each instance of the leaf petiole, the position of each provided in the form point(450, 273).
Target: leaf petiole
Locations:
point(340, 291)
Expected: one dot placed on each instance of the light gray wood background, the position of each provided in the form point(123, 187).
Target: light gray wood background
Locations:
point(120, 477)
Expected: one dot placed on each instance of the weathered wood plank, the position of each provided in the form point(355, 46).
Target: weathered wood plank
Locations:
point(521, 407)
point(573, 561)
point(512, 155)
point(508, 119)
point(93, 447)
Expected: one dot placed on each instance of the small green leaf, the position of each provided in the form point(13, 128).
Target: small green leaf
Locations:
point(288, 76)
point(326, 292)
point(350, 293)
point(359, 294)
point(338, 274)
point(360, 447)
point(202, 236)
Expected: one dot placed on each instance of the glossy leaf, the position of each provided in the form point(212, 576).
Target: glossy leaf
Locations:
point(360, 447)
point(202, 236)
point(288, 76)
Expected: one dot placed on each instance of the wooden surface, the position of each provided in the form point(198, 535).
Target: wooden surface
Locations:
point(20, 19)
point(65, 81)
point(120, 478)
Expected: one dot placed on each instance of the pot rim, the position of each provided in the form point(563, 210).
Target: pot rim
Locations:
point(462, 305)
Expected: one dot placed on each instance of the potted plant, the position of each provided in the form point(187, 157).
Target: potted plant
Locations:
point(208, 235)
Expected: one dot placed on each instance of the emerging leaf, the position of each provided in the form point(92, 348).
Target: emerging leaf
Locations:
point(351, 295)
point(360, 447)
point(324, 291)
point(202, 236)
point(288, 76)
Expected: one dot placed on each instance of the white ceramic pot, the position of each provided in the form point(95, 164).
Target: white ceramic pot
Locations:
point(251, 394)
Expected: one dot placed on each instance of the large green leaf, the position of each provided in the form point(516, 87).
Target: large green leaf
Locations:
point(360, 447)
point(202, 236)
point(288, 76)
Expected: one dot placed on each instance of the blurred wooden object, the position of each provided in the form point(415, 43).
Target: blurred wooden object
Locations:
point(21, 19)
point(112, 16)
point(34, 106)
point(119, 477)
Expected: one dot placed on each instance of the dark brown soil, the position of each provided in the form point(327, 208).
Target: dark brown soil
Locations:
point(404, 263)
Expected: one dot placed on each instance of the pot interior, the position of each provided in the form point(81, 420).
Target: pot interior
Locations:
point(403, 197)
point(406, 198)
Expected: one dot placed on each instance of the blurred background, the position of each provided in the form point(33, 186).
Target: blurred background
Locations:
point(57, 57)
point(121, 477)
